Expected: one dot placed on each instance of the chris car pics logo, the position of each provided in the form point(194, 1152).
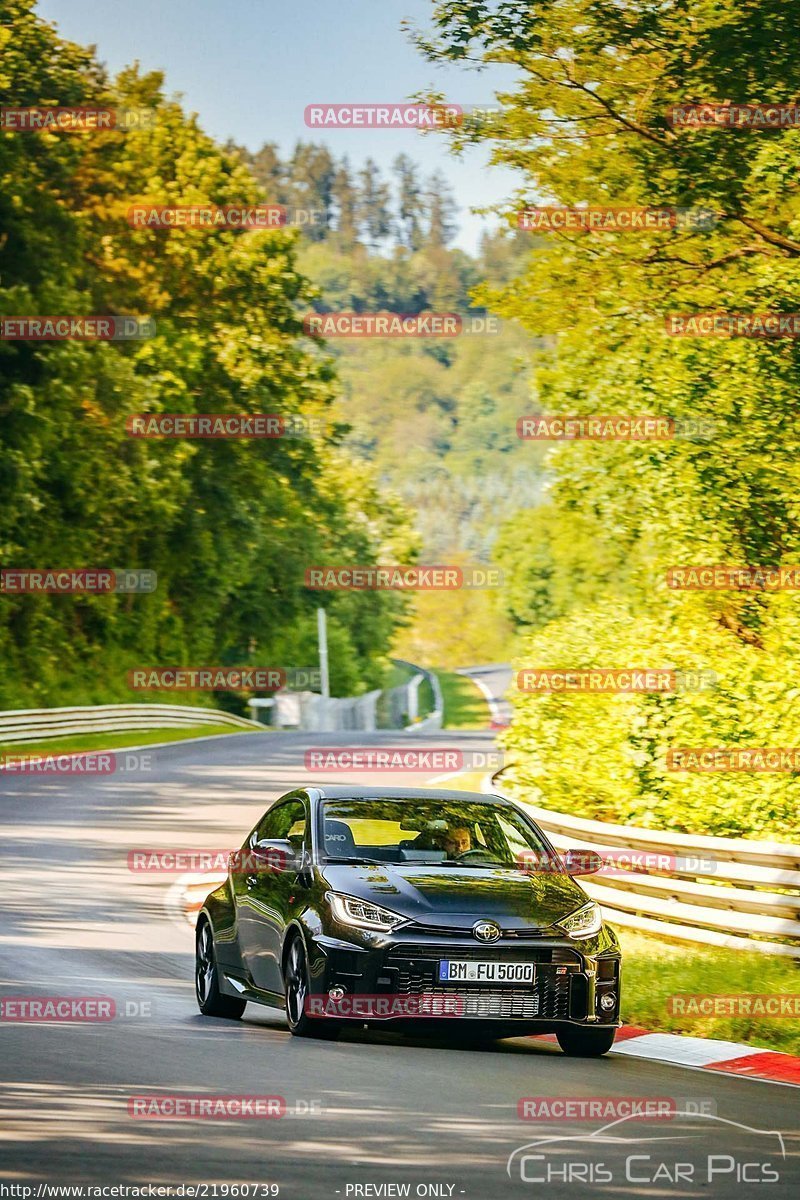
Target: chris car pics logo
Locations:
point(705, 1150)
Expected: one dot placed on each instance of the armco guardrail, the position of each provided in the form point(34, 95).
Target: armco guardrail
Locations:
point(37, 724)
point(435, 718)
point(726, 892)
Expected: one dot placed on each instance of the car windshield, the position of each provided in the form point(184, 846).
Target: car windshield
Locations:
point(430, 832)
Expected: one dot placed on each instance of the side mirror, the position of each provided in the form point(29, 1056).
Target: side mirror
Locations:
point(276, 854)
point(582, 862)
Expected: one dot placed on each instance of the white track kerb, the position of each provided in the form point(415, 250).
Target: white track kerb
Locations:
point(732, 1058)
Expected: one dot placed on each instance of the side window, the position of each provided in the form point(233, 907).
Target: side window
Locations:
point(288, 820)
point(514, 839)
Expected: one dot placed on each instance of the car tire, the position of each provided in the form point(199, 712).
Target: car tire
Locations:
point(581, 1042)
point(210, 1000)
point(296, 990)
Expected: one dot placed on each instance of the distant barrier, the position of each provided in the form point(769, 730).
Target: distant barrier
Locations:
point(325, 714)
point(394, 708)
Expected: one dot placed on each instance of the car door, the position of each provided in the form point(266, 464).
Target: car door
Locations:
point(262, 893)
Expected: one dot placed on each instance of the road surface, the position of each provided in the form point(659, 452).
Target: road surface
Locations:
point(369, 1111)
point(494, 680)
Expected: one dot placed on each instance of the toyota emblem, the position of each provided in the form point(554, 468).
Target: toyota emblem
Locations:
point(486, 931)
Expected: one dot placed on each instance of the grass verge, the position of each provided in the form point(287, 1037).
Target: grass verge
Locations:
point(655, 969)
point(465, 705)
point(76, 743)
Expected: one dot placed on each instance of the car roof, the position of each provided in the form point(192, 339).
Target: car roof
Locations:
point(344, 791)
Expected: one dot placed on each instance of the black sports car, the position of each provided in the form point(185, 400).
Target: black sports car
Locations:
point(443, 908)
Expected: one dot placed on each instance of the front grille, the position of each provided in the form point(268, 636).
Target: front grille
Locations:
point(480, 1003)
point(412, 970)
point(548, 999)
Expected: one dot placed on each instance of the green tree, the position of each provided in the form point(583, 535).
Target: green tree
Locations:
point(586, 124)
point(441, 211)
point(309, 179)
point(374, 215)
point(410, 202)
point(229, 526)
point(345, 200)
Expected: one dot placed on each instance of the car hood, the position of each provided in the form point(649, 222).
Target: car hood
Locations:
point(457, 897)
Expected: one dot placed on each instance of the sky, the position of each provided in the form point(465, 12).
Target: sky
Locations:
point(250, 67)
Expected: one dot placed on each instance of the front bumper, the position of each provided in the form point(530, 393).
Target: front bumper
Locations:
point(571, 978)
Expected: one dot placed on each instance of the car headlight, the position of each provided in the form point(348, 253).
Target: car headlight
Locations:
point(365, 915)
point(583, 922)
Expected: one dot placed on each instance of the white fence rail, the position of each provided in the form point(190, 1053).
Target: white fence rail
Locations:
point(728, 892)
point(38, 724)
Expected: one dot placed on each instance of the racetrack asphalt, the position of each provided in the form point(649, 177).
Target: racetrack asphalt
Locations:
point(372, 1110)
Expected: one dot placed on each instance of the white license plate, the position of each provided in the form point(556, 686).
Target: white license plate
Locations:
point(453, 970)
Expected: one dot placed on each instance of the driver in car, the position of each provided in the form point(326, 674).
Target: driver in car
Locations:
point(457, 840)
